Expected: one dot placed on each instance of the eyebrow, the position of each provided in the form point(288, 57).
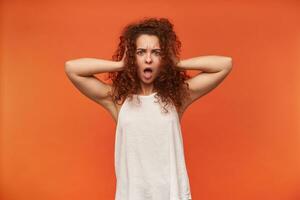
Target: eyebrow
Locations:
point(145, 49)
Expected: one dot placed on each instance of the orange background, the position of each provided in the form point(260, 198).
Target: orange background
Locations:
point(241, 140)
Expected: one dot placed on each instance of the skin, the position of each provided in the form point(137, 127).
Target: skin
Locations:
point(147, 55)
point(214, 70)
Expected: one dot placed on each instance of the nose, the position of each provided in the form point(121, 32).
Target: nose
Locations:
point(148, 58)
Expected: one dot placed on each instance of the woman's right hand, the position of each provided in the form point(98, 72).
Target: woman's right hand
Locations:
point(122, 62)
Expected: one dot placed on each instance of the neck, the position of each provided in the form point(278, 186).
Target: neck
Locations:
point(146, 92)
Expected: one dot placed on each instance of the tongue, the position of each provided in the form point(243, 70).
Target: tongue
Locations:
point(148, 74)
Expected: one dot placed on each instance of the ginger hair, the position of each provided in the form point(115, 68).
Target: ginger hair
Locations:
point(170, 83)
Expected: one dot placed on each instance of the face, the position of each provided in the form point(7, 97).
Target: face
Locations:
point(148, 57)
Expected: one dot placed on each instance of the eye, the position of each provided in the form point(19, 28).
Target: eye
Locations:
point(157, 53)
point(139, 52)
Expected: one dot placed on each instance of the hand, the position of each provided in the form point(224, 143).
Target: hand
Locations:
point(174, 58)
point(176, 61)
point(122, 62)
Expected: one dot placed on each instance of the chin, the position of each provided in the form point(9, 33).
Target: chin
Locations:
point(142, 79)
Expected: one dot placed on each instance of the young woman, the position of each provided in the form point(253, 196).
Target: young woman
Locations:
point(149, 93)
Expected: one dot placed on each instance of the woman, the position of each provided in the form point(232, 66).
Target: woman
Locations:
point(150, 91)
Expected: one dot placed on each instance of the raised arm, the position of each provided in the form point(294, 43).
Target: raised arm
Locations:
point(81, 73)
point(213, 69)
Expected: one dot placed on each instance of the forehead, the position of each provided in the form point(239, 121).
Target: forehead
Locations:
point(147, 41)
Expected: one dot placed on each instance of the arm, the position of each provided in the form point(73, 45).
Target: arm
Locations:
point(206, 64)
point(214, 70)
point(81, 74)
point(91, 66)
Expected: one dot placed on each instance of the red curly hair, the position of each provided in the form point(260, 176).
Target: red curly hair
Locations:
point(170, 84)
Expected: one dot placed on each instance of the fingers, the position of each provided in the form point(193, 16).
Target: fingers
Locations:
point(124, 54)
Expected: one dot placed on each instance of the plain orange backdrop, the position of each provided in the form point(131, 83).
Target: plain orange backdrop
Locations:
point(241, 140)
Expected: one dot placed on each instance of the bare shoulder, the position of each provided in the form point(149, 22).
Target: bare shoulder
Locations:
point(202, 84)
point(181, 110)
point(180, 113)
point(108, 103)
point(95, 89)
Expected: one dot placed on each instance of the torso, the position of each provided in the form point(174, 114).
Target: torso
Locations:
point(115, 112)
point(149, 154)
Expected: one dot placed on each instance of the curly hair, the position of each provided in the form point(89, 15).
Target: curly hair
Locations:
point(169, 84)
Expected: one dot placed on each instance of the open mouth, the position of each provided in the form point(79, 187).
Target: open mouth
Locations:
point(148, 69)
point(148, 72)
